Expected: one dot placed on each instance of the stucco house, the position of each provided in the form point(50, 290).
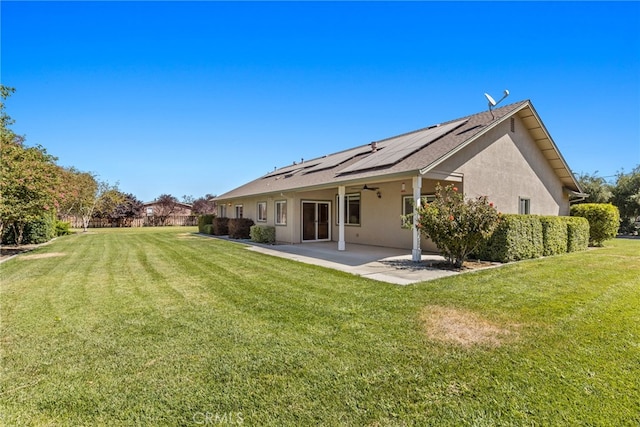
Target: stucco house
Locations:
point(360, 194)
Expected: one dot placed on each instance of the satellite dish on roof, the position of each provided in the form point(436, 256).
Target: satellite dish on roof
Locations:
point(493, 103)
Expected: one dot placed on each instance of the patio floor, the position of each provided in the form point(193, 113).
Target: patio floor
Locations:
point(374, 262)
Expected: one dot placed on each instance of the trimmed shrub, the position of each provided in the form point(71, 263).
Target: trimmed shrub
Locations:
point(457, 226)
point(38, 231)
point(220, 226)
point(263, 234)
point(604, 220)
point(577, 233)
point(240, 228)
point(517, 237)
point(62, 228)
point(205, 220)
point(554, 235)
point(207, 229)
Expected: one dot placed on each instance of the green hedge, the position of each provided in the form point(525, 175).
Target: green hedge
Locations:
point(604, 220)
point(240, 228)
point(554, 235)
point(207, 229)
point(263, 234)
point(531, 236)
point(517, 237)
point(203, 220)
point(577, 233)
point(62, 228)
point(38, 231)
point(220, 226)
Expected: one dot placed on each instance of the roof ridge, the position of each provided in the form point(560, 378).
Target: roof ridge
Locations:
point(468, 117)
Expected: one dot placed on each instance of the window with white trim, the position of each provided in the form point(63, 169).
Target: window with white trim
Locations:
point(223, 211)
point(407, 204)
point(281, 212)
point(262, 211)
point(239, 211)
point(351, 209)
point(524, 206)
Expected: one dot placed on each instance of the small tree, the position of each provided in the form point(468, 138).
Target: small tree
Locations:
point(165, 206)
point(457, 226)
point(597, 188)
point(626, 196)
point(204, 205)
point(604, 220)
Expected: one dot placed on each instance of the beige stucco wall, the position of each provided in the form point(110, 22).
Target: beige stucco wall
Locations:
point(507, 165)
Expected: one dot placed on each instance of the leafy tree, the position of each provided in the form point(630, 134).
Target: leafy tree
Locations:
point(165, 206)
point(126, 211)
point(82, 194)
point(204, 205)
point(596, 187)
point(626, 196)
point(107, 200)
point(457, 226)
point(29, 178)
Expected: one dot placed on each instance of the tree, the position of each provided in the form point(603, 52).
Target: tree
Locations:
point(126, 211)
point(29, 177)
point(29, 184)
point(596, 187)
point(626, 196)
point(165, 205)
point(457, 226)
point(204, 205)
point(107, 200)
point(81, 195)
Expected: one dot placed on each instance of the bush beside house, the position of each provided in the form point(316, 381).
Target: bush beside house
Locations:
point(521, 237)
point(204, 220)
point(577, 233)
point(220, 226)
point(263, 234)
point(517, 237)
point(240, 228)
point(604, 220)
point(554, 235)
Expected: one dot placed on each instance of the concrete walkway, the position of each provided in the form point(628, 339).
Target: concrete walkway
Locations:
point(374, 262)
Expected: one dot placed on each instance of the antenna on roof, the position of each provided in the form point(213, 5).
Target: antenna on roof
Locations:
point(493, 103)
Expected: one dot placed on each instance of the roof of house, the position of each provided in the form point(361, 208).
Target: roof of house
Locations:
point(419, 151)
point(155, 202)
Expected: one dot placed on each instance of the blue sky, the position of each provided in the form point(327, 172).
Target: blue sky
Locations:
point(190, 98)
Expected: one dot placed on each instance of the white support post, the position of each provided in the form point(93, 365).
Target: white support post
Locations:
point(416, 252)
point(341, 243)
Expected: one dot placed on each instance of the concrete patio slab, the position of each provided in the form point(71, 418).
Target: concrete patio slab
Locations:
point(374, 262)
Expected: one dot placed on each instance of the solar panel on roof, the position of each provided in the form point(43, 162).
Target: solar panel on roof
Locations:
point(402, 146)
point(333, 160)
point(291, 168)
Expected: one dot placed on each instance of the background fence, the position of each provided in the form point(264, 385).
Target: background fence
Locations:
point(147, 221)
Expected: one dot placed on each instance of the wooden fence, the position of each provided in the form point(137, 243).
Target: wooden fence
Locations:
point(147, 221)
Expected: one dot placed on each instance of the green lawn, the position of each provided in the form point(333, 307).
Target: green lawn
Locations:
point(162, 327)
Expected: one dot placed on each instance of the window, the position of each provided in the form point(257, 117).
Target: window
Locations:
point(223, 211)
point(281, 212)
point(351, 209)
point(238, 211)
point(262, 211)
point(525, 206)
point(407, 204)
point(149, 211)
